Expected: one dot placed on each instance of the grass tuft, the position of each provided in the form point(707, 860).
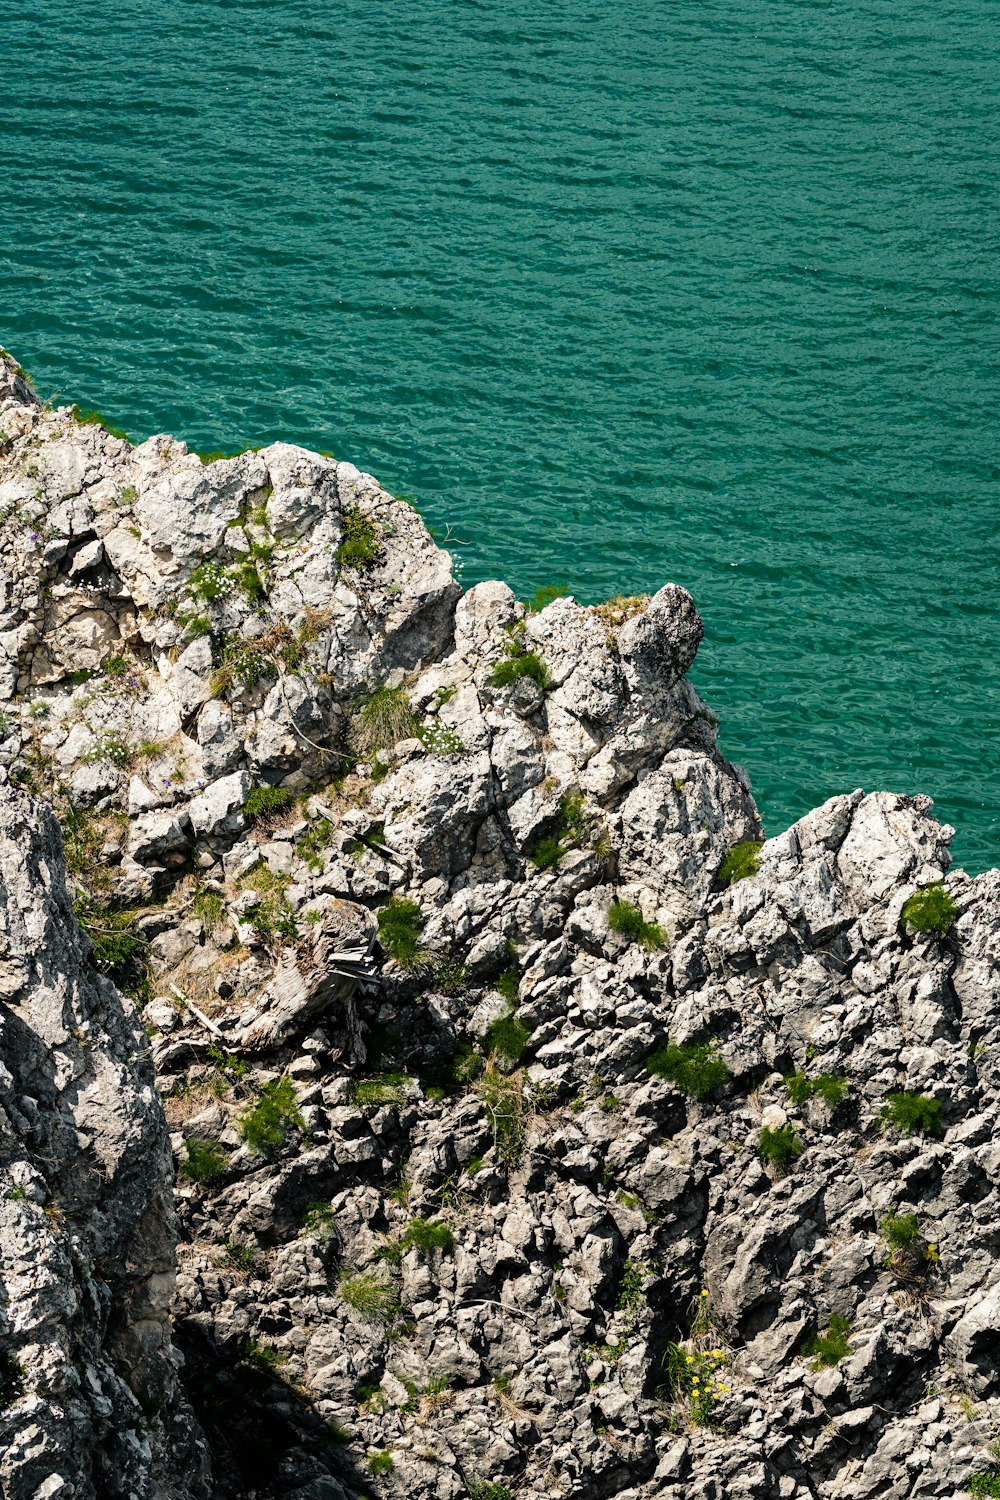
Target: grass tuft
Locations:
point(912, 1114)
point(360, 546)
point(778, 1147)
point(930, 910)
point(381, 720)
point(628, 922)
point(205, 1161)
point(694, 1067)
point(265, 1126)
point(741, 861)
point(830, 1348)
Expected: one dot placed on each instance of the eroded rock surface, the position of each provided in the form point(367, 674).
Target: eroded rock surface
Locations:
point(416, 886)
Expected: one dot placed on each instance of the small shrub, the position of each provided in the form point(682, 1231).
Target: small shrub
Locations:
point(400, 925)
point(985, 1484)
point(519, 662)
point(507, 1037)
point(426, 1235)
point(263, 1357)
point(380, 1463)
point(209, 907)
point(831, 1347)
point(265, 1126)
point(778, 1147)
point(205, 1161)
point(359, 540)
point(240, 1254)
point(313, 842)
point(830, 1087)
point(369, 1296)
point(381, 720)
point(508, 984)
point(912, 1114)
point(695, 1067)
point(544, 596)
point(264, 800)
point(572, 828)
point(901, 1232)
point(741, 861)
point(930, 909)
point(628, 922)
point(548, 853)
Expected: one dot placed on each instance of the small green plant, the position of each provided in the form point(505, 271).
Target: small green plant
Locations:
point(383, 1088)
point(426, 1235)
point(544, 596)
point(359, 540)
point(831, 1347)
point(508, 985)
point(116, 949)
point(381, 720)
point(314, 841)
point(319, 1220)
point(369, 1296)
point(930, 909)
point(912, 1114)
point(506, 1037)
point(830, 1087)
point(503, 1100)
point(741, 861)
point(487, 1489)
point(400, 925)
point(209, 907)
point(205, 1161)
point(263, 1357)
point(694, 1067)
point(901, 1232)
point(265, 1126)
point(628, 922)
point(380, 1463)
point(572, 827)
point(518, 662)
point(240, 1254)
point(985, 1484)
point(778, 1147)
point(262, 801)
point(697, 1378)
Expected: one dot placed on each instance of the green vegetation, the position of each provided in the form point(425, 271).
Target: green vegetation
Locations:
point(572, 827)
point(912, 1114)
point(544, 596)
point(263, 1357)
point(380, 1463)
point(519, 662)
point(381, 720)
point(314, 841)
point(205, 1161)
point(694, 1067)
point(986, 1485)
point(506, 1037)
point(778, 1147)
point(830, 1087)
point(265, 1126)
point(369, 1296)
point(487, 1489)
point(262, 801)
point(383, 1088)
point(698, 1379)
point(426, 1235)
point(359, 540)
point(319, 1220)
point(209, 907)
point(741, 861)
point(240, 1254)
point(930, 909)
point(116, 949)
point(400, 925)
point(628, 922)
point(94, 419)
point(901, 1232)
point(831, 1347)
point(508, 984)
point(11, 1379)
point(503, 1100)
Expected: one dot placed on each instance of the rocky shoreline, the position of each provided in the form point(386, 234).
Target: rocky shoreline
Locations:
point(536, 1127)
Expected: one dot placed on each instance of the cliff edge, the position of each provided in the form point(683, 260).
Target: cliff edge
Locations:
point(538, 1127)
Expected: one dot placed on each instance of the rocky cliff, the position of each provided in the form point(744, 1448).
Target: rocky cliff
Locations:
point(538, 1128)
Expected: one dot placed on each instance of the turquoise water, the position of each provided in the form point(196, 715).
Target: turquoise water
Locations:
point(704, 292)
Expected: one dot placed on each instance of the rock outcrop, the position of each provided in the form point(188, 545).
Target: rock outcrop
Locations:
point(538, 1127)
